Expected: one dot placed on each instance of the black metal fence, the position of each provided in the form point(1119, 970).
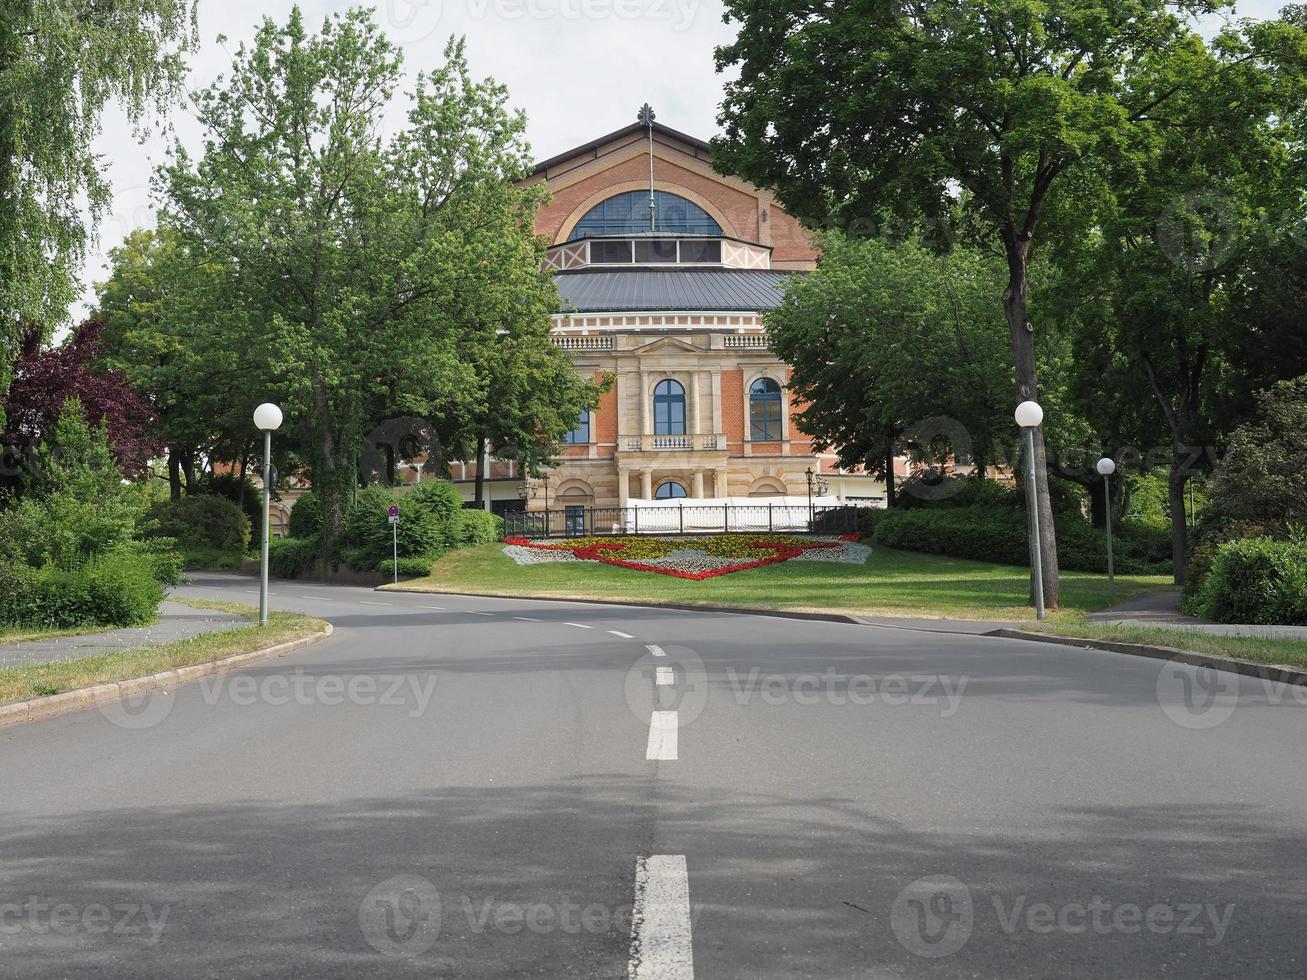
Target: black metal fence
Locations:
point(577, 522)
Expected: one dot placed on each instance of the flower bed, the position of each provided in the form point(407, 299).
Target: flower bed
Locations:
point(695, 558)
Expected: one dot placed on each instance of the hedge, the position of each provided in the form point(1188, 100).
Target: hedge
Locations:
point(412, 566)
point(306, 516)
point(200, 521)
point(292, 557)
point(117, 589)
point(1000, 534)
point(1259, 580)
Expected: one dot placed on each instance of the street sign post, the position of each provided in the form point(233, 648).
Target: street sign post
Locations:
point(394, 541)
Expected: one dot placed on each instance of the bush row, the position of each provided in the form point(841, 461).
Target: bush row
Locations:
point(1000, 534)
point(199, 522)
point(118, 588)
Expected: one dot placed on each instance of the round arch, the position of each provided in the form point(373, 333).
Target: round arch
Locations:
point(767, 486)
point(580, 211)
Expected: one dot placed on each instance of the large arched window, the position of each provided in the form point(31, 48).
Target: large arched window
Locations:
point(671, 490)
point(765, 411)
point(669, 408)
point(628, 214)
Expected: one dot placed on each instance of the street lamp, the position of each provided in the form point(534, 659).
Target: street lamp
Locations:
point(1106, 468)
point(1029, 415)
point(267, 417)
point(808, 473)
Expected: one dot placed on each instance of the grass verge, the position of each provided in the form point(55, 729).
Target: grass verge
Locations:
point(1274, 650)
point(35, 680)
point(891, 583)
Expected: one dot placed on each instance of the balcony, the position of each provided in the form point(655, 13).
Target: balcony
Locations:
point(711, 442)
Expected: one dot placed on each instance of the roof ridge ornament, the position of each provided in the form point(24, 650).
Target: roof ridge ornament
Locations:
point(646, 119)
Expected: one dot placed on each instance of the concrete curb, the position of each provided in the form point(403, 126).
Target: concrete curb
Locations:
point(20, 712)
point(1249, 668)
point(678, 606)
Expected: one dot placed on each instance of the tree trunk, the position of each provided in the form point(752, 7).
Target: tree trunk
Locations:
point(1175, 485)
point(188, 470)
point(174, 475)
point(478, 495)
point(889, 476)
point(1023, 354)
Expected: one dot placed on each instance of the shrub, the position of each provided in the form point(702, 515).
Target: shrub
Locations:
point(116, 589)
point(869, 517)
point(477, 527)
point(366, 513)
point(201, 521)
point(242, 493)
point(954, 491)
point(306, 516)
point(412, 566)
point(367, 539)
point(292, 557)
point(1258, 580)
point(441, 501)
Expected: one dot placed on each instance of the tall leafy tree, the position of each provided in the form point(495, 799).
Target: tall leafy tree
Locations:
point(885, 340)
point(61, 63)
point(357, 260)
point(846, 109)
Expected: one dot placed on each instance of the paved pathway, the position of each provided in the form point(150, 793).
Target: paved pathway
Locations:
point(1162, 609)
point(176, 622)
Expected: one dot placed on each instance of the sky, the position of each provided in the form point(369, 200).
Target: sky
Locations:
point(579, 69)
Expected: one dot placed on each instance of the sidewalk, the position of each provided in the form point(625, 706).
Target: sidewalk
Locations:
point(1162, 609)
point(176, 622)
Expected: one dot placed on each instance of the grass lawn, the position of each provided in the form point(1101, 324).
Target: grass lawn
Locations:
point(891, 583)
point(1268, 651)
point(21, 683)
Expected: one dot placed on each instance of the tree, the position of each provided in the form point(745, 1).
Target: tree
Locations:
point(883, 337)
point(61, 62)
point(162, 310)
point(846, 110)
point(46, 379)
point(355, 261)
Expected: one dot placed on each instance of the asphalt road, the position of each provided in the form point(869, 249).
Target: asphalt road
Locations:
point(467, 787)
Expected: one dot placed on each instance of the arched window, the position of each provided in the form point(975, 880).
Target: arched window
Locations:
point(669, 408)
point(671, 490)
point(581, 434)
point(765, 411)
point(628, 214)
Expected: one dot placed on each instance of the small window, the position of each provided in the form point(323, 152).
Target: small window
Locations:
point(655, 250)
point(701, 252)
point(581, 434)
point(671, 490)
point(765, 411)
point(669, 409)
point(610, 253)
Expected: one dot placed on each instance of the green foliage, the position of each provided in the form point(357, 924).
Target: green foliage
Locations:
point(243, 493)
point(200, 521)
point(439, 498)
point(412, 566)
point(473, 526)
point(1258, 580)
point(115, 589)
point(292, 557)
point(367, 539)
point(984, 532)
point(955, 492)
point(61, 63)
point(306, 516)
point(76, 504)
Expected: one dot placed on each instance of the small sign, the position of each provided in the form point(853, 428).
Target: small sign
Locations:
point(394, 514)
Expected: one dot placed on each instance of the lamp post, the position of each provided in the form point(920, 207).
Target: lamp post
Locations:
point(1029, 415)
point(267, 417)
point(1106, 468)
point(808, 473)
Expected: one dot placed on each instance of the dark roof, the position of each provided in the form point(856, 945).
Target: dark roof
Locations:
point(617, 134)
point(626, 290)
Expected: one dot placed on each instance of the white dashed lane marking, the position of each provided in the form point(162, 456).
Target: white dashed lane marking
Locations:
point(662, 736)
point(663, 676)
point(475, 613)
point(624, 636)
point(437, 608)
point(316, 598)
point(526, 619)
point(661, 947)
point(580, 626)
point(657, 651)
point(369, 602)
